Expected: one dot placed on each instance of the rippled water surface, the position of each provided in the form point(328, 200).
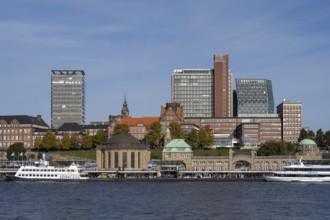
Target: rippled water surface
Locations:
point(163, 200)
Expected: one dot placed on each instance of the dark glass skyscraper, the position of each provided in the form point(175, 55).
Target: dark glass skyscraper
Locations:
point(254, 96)
point(68, 97)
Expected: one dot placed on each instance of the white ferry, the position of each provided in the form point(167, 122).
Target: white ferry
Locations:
point(298, 172)
point(42, 171)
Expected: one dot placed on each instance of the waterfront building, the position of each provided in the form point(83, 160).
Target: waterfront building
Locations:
point(291, 115)
point(204, 92)
point(19, 128)
point(178, 149)
point(67, 97)
point(254, 96)
point(123, 152)
point(308, 147)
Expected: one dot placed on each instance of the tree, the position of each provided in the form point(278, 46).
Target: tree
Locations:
point(319, 138)
point(49, 140)
point(327, 138)
point(154, 134)
point(37, 142)
point(192, 139)
point(99, 138)
point(75, 141)
point(205, 137)
point(16, 151)
point(275, 148)
point(176, 131)
point(121, 129)
point(87, 141)
point(66, 142)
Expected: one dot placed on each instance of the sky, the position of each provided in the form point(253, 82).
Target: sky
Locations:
point(131, 47)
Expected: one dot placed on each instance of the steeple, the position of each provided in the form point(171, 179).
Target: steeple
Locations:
point(124, 110)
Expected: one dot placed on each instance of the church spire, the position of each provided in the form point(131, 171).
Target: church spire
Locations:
point(124, 110)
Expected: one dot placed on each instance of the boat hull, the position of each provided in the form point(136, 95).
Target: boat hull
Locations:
point(296, 179)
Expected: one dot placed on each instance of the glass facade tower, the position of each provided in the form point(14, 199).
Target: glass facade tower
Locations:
point(194, 90)
point(254, 96)
point(67, 97)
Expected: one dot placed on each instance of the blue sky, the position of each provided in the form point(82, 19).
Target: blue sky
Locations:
point(131, 47)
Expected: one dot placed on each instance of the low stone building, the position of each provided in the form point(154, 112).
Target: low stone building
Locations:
point(123, 152)
point(178, 149)
point(307, 148)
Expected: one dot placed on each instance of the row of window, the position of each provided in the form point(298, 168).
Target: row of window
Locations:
point(47, 170)
point(37, 175)
point(12, 131)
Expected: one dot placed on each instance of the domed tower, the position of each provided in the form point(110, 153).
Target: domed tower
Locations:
point(124, 110)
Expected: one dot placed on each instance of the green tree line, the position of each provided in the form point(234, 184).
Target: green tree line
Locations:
point(69, 141)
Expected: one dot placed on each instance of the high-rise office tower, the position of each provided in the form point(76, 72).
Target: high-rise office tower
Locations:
point(193, 89)
point(254, 96)
point(222, 87)
point(67, 97)
point(205, 92)
point(291, 115)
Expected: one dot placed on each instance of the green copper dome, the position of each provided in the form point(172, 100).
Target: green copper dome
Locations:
point(307, 142)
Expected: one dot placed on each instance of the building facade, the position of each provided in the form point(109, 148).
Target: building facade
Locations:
point(67, 97)
point(193, 89)
point(222, 87)
point(123, 152)
point(19, 128)
point(205, 92)
point(291, 115)
point(252, 130)
point(254, 96)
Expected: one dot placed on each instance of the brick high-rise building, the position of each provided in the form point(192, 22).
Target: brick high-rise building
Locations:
point(222, 86)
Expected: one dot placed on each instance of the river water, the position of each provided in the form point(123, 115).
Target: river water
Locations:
point(163, 200)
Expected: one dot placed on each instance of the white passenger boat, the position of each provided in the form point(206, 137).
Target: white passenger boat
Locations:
point(299, 172)
point(42, 171)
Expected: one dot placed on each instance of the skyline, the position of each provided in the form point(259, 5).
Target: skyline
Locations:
point(132, 47)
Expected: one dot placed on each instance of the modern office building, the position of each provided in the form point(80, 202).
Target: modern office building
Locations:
point(254, 97)
point(204, 92)
point(194, 90)
point(291, 114)
point(67, 97)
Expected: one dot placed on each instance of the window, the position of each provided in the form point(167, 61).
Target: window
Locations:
point(139, 159)
point(132, 160)
point(124, 159)
point(116, 159)
point(109, 159)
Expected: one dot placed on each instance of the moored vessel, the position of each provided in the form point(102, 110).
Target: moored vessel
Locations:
point(297, 171)
point(42, 171)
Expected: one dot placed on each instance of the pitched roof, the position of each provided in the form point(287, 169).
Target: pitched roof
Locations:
point(177, 145)
point(70, 127)
point(24, 119)
point(124, 141)
point(135, 121)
